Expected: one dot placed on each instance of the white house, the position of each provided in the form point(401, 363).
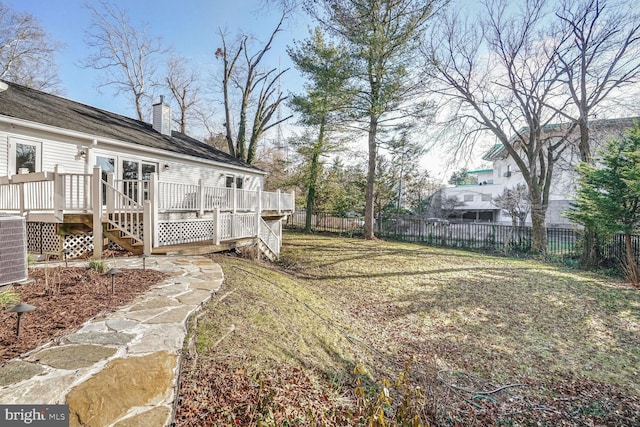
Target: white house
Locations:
point(81, 175)
point(474, 202)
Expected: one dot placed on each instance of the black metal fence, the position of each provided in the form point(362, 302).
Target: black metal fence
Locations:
point(487, 237)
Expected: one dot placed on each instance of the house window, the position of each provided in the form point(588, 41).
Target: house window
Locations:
point(237, 181)
point(25, 156)
point(468, 197)
point(486, 197)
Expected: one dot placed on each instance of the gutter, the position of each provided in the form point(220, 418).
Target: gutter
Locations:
point(94, 140)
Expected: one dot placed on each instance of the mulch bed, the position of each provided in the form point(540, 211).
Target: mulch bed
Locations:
point(70, 297)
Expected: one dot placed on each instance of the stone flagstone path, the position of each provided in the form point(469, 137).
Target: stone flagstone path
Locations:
point(121, 369)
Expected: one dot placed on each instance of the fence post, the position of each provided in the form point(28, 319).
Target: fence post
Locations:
point(216, 226)
point(98, 240)
point(200, 198)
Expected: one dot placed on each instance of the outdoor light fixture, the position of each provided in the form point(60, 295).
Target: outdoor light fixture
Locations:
point(20, 308)
point(144, 261)
point(165, 167)
point(81, 154)
point(113, 272)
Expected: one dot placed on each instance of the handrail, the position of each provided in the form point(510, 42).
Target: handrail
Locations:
point(124, 213)
point(269, 238)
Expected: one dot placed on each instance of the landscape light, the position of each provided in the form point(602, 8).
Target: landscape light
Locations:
point(20, 308)
point(113, 272)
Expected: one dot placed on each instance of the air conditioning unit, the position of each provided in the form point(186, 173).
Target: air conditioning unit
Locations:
point(13, 250)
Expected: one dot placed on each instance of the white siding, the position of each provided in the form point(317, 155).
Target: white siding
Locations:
point(62, 154)
point(62, 151)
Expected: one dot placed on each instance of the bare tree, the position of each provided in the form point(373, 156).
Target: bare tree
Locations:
point(125, 54)
point(27, 52)
point(258, 90)
point(183, 82)
point(600, 57)
point(420, 189)
point(501, 75)
point(515, 202)
point(450, 207)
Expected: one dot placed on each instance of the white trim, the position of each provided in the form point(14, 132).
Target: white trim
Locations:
point(94, 139)
point(13, 140)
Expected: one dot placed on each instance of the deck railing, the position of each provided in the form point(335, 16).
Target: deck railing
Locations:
point(132, 206)
point(61, 192)
point(46, 192)
point(229, 226)
point(269, 238)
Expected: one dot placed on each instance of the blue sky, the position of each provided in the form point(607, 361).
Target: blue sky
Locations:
point(189, 26)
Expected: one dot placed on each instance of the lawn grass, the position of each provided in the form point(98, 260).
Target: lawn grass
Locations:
point(564, 344)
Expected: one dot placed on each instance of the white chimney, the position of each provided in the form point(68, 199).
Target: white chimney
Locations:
point(162, 117)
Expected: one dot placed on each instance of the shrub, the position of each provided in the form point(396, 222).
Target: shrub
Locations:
point(8, 297)
point(98, 265)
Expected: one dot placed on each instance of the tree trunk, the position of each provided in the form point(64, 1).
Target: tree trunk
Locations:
point(589, 256)
point(371, 177)
point(314, 169)
point(631, 267)
point(590, 250)
point(539, 232)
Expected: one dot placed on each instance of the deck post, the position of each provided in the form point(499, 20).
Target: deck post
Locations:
point(216, 226)
point(259, 212)
point(96, 202)
point(278, 192)
point(146, 226)
point(235, 199)
point(110, 196)
point(58, 196)
point(21, 198)
point(154, 194)
point(200, 198)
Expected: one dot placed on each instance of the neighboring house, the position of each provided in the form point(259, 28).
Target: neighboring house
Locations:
point(475, 202)
point(81, 175)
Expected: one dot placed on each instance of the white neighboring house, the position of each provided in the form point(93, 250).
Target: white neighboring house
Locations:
point(475, 201)
point(83, 176)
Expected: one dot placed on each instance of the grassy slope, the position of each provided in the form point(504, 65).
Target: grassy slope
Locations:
point(342, 301)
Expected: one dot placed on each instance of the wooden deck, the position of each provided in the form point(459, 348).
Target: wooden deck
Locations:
point(201, 248)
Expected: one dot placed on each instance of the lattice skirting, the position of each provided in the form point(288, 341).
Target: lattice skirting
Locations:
point(185, 231)
point(42, 238)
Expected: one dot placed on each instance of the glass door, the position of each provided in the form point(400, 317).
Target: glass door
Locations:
point(107, 165)
point(130, 174)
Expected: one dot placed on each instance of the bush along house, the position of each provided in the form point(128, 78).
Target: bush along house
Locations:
point(86, 178)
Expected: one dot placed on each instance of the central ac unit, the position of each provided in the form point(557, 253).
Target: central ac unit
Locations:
point(13, 250)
